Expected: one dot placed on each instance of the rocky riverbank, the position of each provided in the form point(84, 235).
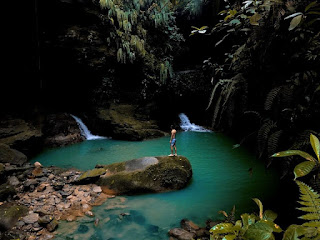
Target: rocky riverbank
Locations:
point(34, 199)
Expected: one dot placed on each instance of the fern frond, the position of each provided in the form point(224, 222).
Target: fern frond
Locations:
point(311, 199)
point(263, 135)
point(273, 142)
point(271, 96)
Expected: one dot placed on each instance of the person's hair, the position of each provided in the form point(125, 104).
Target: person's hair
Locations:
point(171, 127)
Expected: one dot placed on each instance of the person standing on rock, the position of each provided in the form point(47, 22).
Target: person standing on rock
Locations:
point(173, 142)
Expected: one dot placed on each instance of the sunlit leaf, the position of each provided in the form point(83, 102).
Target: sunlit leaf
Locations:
point(295, 22)
point(254, 19)
point(270, 215)
point(259, 231)
point(229, 237)
point(303, 169)
point(292, 232)
point(202, 31)
point(315, 145)
point(287, 153)
point(260, 205)
point(247, 220)
point(222, 228)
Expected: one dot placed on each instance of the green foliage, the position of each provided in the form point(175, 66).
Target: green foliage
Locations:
point(306, 167)
point(307, 17)
point(250, 226)
point(130, 25)
point(310, 201)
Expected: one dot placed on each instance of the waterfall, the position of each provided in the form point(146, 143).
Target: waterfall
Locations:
point(186, 125)
point(85, 131)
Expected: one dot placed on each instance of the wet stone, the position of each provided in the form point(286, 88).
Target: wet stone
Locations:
point(137, 217)
point(31, 218)
point(52, 225)
point(45, 219)
point(152, 228)
point(83, 228)
point(13, 181)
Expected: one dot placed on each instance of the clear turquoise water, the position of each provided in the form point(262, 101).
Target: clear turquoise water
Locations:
point(220, 180)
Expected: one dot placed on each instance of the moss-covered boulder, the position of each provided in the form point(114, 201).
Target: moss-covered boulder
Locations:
point(148, 174)
point(124, 121)
point(90, 176)
point(9, 215)
point(12, 156)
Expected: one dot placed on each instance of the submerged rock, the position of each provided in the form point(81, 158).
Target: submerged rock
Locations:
point(148, 174)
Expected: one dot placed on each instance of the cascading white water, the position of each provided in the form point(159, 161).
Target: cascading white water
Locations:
point(186, 125)
point(85, 131)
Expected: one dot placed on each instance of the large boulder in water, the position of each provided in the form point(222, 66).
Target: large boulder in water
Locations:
point(147, 174)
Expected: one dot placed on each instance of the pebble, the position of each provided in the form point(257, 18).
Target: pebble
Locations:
point(31, 218)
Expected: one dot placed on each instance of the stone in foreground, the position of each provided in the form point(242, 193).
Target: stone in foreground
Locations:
point(146, 175)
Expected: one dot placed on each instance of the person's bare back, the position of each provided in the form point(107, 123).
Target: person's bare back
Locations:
point(173, 142)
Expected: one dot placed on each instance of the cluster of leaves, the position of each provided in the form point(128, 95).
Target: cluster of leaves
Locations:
point(143, 31)
point(251, 226)
point(262, 226)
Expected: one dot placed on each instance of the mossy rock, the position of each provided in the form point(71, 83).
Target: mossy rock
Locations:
point(12, 156)
point(149, 174)
point(6, 190)
point(9, 215)
point(90, 175)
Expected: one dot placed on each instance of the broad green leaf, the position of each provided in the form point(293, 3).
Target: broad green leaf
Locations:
point(259, 231)
point(294, 152)
point(238, 223)
point(259, 203)
point(295, 22)
point(270, 215)
point(254, 19)
point(303, 169)
point(275, 227)
point(310, 6)
point(291, 233)
point(229, 237)
point(247, 220)
point(222, 228)
point(315, 145)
